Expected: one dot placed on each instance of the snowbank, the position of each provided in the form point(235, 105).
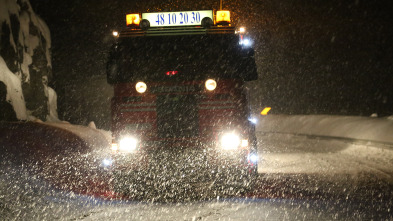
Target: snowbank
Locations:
point(93, 137)
point(14, 90)
point(362, 128)
point(25, 59)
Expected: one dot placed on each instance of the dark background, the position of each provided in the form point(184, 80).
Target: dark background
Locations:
point(313, 57)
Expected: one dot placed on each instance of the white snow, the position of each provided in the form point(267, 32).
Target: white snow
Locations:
point(366, 149)
point(343, 162)
point(29, 43)
point(23, 197)
point(354, 127)
point(282, 150)
point(285, 152)
point(289, 154)
point(210, 210)
point(93, 137)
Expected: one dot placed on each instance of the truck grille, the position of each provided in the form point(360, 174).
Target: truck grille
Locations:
point(177, 116)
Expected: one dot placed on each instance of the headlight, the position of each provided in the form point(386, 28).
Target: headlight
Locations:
point(253, 120)
point(141, 87)
point(128, 144)
point(230, 141)
point(245, 42)
point(210, 84)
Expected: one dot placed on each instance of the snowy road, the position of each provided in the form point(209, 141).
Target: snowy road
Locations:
point(302, 178)
point(286, 153)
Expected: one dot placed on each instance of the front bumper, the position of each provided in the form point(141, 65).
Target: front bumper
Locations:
point(185, 160)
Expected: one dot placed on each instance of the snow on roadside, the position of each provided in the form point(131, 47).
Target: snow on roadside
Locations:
point(25, 193)
point(99, 139)
point(283, 153)
point(363, 128)
point(289, 154)
point(14, 90)
point(25, 196)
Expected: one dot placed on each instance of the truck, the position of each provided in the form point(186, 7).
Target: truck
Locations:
point(180, 111)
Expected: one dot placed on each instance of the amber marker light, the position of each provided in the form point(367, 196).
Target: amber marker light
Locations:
point(223, 17)
point(132, 19)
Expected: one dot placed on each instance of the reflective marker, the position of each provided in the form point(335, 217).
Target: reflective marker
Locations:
point(265, 111)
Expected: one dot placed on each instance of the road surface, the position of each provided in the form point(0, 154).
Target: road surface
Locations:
point(301, 178)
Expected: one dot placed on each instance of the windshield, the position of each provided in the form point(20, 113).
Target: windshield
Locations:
point(193, 57)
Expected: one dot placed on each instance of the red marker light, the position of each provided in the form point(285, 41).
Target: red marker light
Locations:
point(170, 73)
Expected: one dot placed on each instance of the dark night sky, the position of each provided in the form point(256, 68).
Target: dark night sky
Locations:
point(314, 57)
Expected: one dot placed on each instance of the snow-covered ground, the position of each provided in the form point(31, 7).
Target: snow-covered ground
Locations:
point(366, 147)
point(23, 197)
point(353, 127)
point(343, 168)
